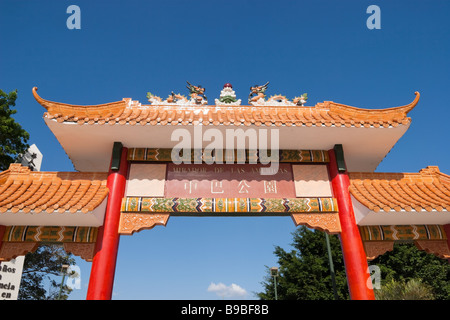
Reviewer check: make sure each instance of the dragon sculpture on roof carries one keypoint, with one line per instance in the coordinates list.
(256, 97)
(258, 94)
(197, 93)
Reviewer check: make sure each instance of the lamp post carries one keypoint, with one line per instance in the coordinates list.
(330, 260)
(64, 268)
(274, 273)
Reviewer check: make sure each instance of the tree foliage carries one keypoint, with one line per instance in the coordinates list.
(13, 138)
(413, 289)
(406, 262)
(304, 274)
(42, 269)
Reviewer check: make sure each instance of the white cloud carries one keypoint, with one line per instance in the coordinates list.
(225, 291)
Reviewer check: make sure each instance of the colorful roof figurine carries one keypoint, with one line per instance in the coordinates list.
(227, 97)
(257, 98)
(257, 93)
(197, 94)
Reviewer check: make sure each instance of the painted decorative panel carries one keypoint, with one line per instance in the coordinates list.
(402, 232)
(239, 156)
(311, 181)
(229, 206)
(146, 180)
(50, 234)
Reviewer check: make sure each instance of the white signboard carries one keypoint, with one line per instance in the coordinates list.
(10, 276)
(32, 158)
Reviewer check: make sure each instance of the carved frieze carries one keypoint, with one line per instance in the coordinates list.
(135, 222)
(327, 222)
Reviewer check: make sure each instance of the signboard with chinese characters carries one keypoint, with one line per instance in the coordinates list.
(156, 191)
(228, 181)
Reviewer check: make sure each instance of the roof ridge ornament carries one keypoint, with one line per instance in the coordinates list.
(388, 113)
(257, 98)
(227, 97)
(64, 108)
(430, 170)
(407, 108)
(434, 171)
(18, 168)
(174, 99)
(257, 93)
(196, 94)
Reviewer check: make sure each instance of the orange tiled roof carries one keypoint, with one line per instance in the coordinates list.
(131, 112)
(427, 190)
(25, 190)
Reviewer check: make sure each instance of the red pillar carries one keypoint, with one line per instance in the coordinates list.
(352, 247)
(104, 263)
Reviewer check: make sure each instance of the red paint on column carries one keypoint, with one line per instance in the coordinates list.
(103, 267)
(352, 247)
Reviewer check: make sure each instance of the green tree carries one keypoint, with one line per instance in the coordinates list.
(405, 262)
(304, 273)
(13, 138)
(42, 269)
(414, 289)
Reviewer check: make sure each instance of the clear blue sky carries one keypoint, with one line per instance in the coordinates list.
(126, 48)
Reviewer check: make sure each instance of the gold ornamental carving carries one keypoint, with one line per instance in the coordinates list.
(327, 222)
(135, 222)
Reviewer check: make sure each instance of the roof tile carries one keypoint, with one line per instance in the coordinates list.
(25, 190)
(131, 112)
(427, 190)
